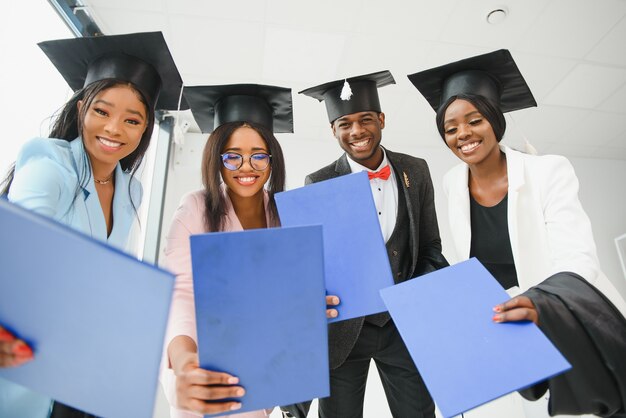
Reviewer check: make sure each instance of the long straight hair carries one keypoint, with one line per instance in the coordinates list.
(69, 123)
(214, 201)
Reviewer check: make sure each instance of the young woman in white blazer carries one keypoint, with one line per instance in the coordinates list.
(518, 214)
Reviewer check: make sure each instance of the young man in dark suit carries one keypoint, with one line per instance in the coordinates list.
(404, 199)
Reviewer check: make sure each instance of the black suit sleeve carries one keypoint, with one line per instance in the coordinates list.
(297, 410)
(430, 257)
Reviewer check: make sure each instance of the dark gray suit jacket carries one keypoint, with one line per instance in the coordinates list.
(425, 244)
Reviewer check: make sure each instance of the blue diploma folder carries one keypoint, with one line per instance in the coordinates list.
(94, 316)
(357, 265)
(261, 312)
(465, 359)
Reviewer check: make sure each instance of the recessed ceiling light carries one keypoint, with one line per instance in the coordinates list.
(497, 16)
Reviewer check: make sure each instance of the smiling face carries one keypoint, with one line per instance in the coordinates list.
(359, 135)
(245, 181)
(468, 133)
(113, 125)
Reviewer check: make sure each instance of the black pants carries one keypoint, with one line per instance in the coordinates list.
(404, 388)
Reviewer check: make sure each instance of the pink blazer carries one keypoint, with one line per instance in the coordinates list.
(189, 220)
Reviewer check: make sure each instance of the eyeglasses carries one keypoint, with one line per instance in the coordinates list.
(258, 161)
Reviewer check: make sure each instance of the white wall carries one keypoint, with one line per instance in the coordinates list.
(603, 195)
(32, 89)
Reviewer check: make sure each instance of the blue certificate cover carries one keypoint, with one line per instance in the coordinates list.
(94, 316)
(261, 312)
(356, 261)
(466, 360)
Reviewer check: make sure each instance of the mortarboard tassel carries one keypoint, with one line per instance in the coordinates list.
(346, 91)
(529, 148)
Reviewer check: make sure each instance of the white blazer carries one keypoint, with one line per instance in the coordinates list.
(548, 228)
(549, 232)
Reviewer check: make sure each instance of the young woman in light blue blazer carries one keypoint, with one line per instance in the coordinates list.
(83, 174)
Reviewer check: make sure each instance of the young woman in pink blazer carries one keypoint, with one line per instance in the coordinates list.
(242, 168)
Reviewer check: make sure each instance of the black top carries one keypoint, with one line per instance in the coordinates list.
(491, 244)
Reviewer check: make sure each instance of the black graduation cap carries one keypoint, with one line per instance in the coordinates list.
(142, 59)
(351, 95)
(494, 76)
(269, 106)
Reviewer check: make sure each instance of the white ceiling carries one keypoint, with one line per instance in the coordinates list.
(571, 53)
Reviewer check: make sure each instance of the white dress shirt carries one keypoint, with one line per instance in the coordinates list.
(385, 193)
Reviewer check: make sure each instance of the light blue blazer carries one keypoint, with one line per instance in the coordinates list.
(53, 178)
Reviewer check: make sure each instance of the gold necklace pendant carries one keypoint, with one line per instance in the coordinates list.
(105, 181)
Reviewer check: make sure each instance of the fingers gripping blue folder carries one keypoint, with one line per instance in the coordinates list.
(356, 261)
(261, 312)
(465, 359)
(94, 316)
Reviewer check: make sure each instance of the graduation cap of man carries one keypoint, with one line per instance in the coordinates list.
(494, 76)
(142, 59)
(269, 106)
(351, 95)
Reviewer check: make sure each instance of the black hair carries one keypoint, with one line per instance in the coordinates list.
(214, 202)
(492, 113)
(68, 125)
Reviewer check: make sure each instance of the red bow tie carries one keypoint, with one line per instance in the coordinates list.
(382, 174)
